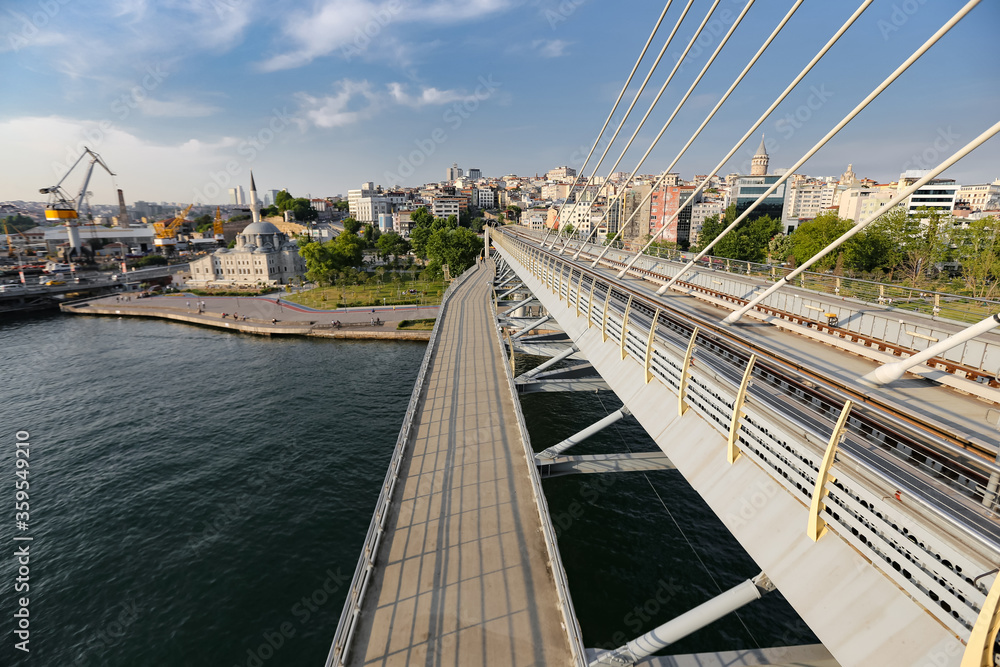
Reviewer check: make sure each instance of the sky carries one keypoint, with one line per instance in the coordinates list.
(182, 98)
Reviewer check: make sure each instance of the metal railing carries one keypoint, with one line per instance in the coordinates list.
(342, 638)
(956, 307)
(934, 548)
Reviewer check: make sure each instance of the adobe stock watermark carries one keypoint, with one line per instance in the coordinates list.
(96, 647)
(273, 639)
(363, 35)
(932, 155)
(648, 613)
(454, 116)
(792, 122)
(898, 17)
(122, 107)
(562, 12)
(710, 34)
(249, 148)
(32, 25)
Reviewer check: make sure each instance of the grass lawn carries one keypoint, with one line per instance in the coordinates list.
(373, 294)
(416, 325)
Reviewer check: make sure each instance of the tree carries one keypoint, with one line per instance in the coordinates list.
(812, 236)
(325, 261)
(779, 248)
(392, 244)
(269, 211)
(419, 237)
(456, 247)
(302, 209)
(283, 201)
(202, 223)
(977, 247)
(422, 217)
(513, 212)
(747, 242)
(477, 225)
(351, 226)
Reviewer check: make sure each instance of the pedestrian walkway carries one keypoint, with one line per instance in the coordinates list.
(462, 576)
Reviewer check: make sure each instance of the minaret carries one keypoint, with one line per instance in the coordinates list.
(758, 165)
(254, 204)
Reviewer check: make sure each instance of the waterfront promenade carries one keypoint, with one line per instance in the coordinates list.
(267, 315)
(462, 576)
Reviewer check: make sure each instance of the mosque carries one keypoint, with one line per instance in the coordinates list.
(263, 255)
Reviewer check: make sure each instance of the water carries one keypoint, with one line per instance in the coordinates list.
(200, 498)
(190, 487)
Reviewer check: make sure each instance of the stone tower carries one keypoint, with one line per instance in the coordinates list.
(758, 165)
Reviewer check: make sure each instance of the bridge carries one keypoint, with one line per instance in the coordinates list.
(872, 508)
(846, 438)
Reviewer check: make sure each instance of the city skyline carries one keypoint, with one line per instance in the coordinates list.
(313, 102)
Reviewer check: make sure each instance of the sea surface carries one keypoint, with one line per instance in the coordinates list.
(200, 497)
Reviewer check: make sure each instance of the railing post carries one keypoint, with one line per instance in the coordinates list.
(628, 311)
(732, 451)
(682, 390)
(649, 346)
(817, 526)
(579, 290)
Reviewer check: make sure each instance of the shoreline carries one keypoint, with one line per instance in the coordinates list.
(250, 326)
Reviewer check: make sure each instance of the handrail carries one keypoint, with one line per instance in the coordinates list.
(340, 647)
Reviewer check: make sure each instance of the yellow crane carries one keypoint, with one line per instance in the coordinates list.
(217, 225)
(166, 232)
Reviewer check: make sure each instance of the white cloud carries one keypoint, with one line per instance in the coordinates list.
(354, 101)
(350, 26)
(550, 48)
(427, 96)
(176, 108)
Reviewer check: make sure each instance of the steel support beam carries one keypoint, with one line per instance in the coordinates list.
(533, 325)
(673, 631)
(579, 437)
(548, 363)
(511, 290)
(520, 304)
(601, 463)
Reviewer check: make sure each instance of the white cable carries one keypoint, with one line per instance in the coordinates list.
(968, 148)
(677, 109)
(620, 96)
(822, 142)
(711, 114)
(812, 63)
(677, 65)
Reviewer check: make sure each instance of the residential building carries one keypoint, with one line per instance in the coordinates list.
(486, 198)
(664, 214)
(560, 173)
(444, 205)
(980, 197)
(534, 218)
(700, 212)
(860, 203)
(938, 194)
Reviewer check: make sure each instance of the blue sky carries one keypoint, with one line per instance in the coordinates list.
(183, 97)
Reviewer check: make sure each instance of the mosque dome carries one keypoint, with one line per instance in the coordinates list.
(260, 228)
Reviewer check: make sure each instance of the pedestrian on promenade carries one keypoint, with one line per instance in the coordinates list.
(187, 304)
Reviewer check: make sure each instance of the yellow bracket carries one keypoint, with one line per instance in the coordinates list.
(565, 281)
(979, 648)
(624, 337)
(682, 393)
(649, 346)
(590, 302)
(732, 452)
(604, 317)
(817, 527)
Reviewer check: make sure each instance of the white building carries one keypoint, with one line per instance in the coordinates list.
(938, 194)
(534, 218)
(701, 211)
(859, 204)
(486, 198)
(237, 196)
(560, 173)
(263, 255)
(443, 206)
(367, 203)
(806, 199)
(454, 173)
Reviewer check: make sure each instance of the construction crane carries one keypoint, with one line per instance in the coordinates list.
(217, 225)
(166, 231)
(62, 209)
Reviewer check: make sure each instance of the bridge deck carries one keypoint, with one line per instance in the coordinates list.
(463, 576)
